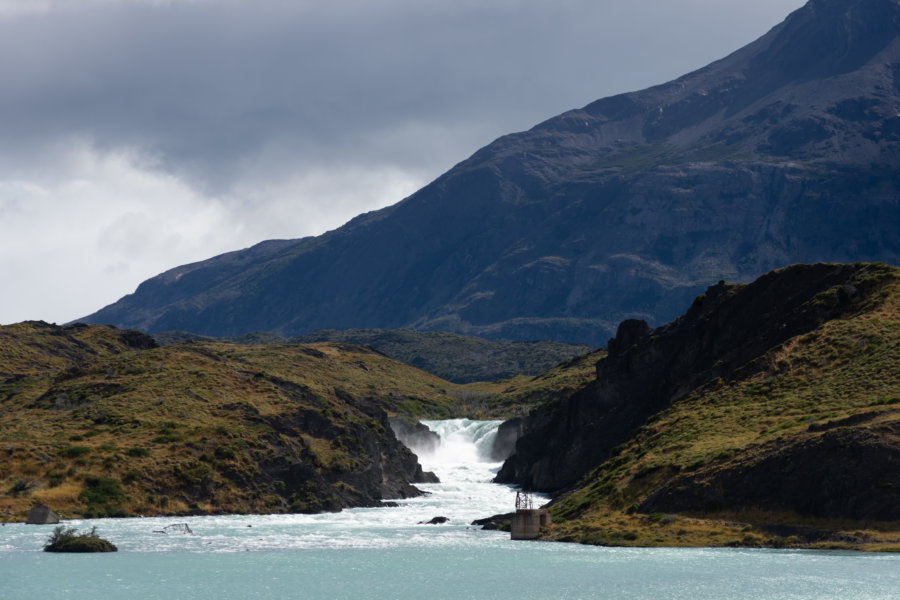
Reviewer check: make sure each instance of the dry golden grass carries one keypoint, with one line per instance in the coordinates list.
(519, 395)
(78, 405)
(85, 405)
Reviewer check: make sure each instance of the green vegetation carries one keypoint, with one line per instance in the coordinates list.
(456, 358)
(99, 422)
(68, 540)
(519, 395)
(94, 426)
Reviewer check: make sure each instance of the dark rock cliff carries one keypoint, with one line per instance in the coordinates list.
(415, 435)
(508, 434)
(382, 468)
(786, 151)
(646, 370)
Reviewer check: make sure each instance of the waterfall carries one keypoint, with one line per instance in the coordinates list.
(462, 462)
(462, 441)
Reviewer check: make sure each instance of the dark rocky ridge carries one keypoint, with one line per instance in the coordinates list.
(385, 468)
(785, 151)
(646, 370)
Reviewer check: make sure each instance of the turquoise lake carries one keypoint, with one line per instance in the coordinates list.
(386, 553)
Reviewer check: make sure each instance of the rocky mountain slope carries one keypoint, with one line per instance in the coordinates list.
(786, 151)
(454, 357)
(775, 405)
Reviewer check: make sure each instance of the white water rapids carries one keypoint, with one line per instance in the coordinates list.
(464, 494)
(386, 553)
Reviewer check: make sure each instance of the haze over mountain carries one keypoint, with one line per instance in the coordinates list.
(785, 151)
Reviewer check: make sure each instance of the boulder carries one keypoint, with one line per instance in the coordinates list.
(495, 522)
(41, 514)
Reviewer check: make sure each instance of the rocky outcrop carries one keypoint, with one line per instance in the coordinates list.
(379, 467)
(496, 522)
(415, 435)
(41, 514)
(238, 429)
(785, 151)
(67, 540)
(508, 434)
(720, 336)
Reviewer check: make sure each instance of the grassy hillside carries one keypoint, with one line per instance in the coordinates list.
(454, 357)
(803, 449)
(517, 396)
(98, 421)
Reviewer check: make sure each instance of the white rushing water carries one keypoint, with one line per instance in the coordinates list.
(464, 494)
(387, 553)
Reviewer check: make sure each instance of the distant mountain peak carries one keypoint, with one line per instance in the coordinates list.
(831, 37)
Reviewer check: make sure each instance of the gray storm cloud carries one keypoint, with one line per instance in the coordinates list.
(139, 135)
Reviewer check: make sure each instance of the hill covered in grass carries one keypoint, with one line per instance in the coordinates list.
(768, 415)
(454, 357)
(97, 421)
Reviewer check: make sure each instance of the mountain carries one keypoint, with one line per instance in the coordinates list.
(456, 358)
(767, 411)
(786, 151)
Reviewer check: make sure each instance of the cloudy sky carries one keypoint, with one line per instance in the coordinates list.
(138, 135)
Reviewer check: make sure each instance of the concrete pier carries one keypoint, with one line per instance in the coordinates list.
(527, 523)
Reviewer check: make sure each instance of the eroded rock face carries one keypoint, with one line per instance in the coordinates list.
(720, 336)
(415, 436)
(374, 465)
(508, 434)
(382, 468)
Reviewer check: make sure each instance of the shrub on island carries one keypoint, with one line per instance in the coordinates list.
(68, 540)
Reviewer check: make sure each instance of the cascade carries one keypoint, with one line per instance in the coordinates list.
(462, 441)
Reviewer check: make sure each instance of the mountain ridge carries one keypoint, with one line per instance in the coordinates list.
(785, 151)
(454, 357)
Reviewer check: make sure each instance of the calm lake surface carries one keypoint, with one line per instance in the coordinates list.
(386, 553)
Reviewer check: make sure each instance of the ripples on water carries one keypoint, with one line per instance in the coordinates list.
(385, 553)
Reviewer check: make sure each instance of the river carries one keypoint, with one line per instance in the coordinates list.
(386, 553)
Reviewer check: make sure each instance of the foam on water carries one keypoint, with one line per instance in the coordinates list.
(386, 553)
(464, 494)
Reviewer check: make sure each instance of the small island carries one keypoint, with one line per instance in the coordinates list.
(68, 540)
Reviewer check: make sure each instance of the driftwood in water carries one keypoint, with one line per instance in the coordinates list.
(183, 528)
